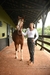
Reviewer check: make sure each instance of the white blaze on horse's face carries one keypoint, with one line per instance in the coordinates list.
(20, 23)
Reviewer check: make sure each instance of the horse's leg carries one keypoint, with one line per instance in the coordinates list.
(19, 48)
(16, 51)
(21, 53)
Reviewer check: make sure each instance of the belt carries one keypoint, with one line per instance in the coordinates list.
(30, 38)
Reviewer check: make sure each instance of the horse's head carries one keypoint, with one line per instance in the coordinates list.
(20, 23)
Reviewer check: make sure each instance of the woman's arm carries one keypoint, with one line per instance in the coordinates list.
(36, 33)
(24, 33)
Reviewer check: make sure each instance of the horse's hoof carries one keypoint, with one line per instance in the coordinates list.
(18, 51)
(20, 59)
(15, 57)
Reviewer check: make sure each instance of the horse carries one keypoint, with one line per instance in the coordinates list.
(18, 38)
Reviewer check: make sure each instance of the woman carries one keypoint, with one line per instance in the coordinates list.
(31, 32)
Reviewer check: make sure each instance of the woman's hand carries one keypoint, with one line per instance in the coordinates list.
(33, 40)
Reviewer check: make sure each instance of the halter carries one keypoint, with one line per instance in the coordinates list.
(20, 23)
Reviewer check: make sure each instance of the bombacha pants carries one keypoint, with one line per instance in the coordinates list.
(31, 46)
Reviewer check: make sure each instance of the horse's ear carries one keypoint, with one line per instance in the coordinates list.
(19, 17)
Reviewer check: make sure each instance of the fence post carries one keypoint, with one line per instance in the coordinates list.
(43, 17)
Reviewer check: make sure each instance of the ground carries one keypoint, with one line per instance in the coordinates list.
(11, 66)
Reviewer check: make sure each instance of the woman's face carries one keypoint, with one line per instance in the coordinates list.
(31, 25)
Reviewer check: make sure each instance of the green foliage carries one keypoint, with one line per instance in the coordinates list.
(24, 30)
(39, 31)
(46, 30)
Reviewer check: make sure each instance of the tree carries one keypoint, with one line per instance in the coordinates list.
(46, 30)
